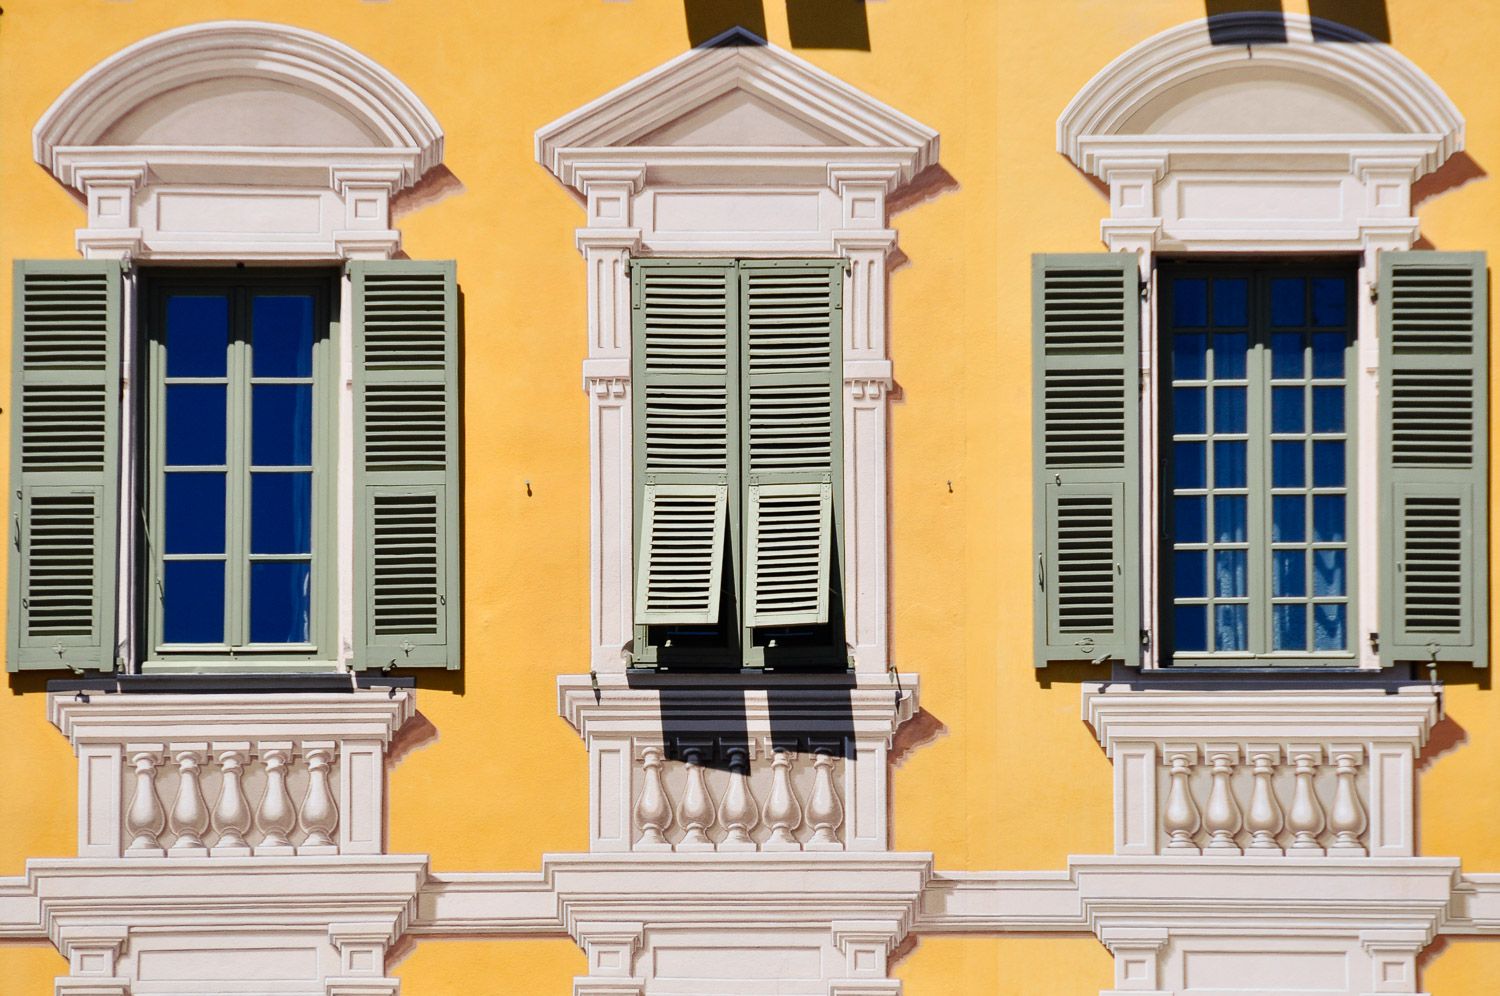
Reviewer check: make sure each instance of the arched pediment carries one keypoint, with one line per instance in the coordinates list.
(241, 84)
(1324, 81)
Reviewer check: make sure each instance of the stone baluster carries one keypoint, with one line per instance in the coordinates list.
(782, 813)
(696, 813)
(1347, 819)
(276, 816)
(1221, 817)
(737, 810)
(1180, 817)
(231, 815)
(189, 816)
(1264, 819)
(825, 813)
(653, 810)
(145, 819)
(320, 811)
(1305, 818)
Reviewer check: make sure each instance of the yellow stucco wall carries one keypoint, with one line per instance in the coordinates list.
(1014, 780)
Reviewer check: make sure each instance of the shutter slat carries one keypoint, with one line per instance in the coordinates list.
(1085, 345)
(65, 465)
(407, 569)
(1434, 457)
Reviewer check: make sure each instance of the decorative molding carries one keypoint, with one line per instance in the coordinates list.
(180, 145)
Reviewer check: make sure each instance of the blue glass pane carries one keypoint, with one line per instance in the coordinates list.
(1328, 354)
(1328, 628)
(1229, 464)
(1189, 465)
(197, 336)
(1229, 409)
(1287, 470)
(1328, 518)
(280, 601)
(282, 335)
(1188, 356)
(1288, 302)
(194, 513)
(1229, 519)
(1188, 413)
(1229, 355)
(1288, 573)
(1328, 409)
(1231, 627)
(1231, 301)
(1190, 628)
(1189, 523)
(1286, 410)
(1190, 574)
(280, 513)
(1286, 355)
(1288, 519)
(1190, 302)
(281, 425)
(1289, 627)
(193, 601)
(195, 425)
(1328, 464)
(1229, 573)
(1329, 577)
(1330, 299)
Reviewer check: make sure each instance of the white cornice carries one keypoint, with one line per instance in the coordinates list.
(866, 130)
(311, 62)
(1121, 714)
(1426, 119)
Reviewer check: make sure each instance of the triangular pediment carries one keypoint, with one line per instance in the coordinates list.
(738, 93)
(738, 119)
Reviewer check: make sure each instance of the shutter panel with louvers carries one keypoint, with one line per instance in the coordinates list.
(686, 428)
(1434, 448)
(1085, 343)
(65, 465)
(791, 373)
(406, 455)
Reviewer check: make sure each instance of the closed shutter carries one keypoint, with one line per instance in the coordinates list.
(791, 374)
(1086, 463)
(1434, 457)
(65, 465)
(406, 462)
(686, 427)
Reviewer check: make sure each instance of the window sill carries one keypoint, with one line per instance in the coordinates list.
(245, 665)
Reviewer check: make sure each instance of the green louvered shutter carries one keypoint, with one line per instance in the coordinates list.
(407, 566)
(1086, 426)
(65, 418)
(686, 428)
(791, 375)
(1434, 457)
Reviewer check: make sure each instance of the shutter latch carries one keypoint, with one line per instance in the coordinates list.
(407, 648)
(594, 681)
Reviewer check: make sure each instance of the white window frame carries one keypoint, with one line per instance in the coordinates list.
(194, 201)
(1182, 194)
(786, 200)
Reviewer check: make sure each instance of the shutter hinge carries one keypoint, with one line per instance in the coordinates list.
(1145, 290)
(1374, 643)
(1374, 292)
(1145, 639)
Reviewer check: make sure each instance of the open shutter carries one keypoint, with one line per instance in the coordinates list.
(792, 374)
(1086, 463)
(65, 465)
(1434, 457)
(686, 418)
(406, 459)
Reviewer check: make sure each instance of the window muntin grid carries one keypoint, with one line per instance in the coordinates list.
(1258, 464)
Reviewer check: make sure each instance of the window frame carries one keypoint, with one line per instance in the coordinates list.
(319, 654)
(1260, 271)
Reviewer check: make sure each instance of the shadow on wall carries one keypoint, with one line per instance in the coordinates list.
(811, 23)
(1367, 16)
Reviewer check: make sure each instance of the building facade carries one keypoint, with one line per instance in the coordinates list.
(1024, 527)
